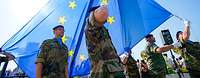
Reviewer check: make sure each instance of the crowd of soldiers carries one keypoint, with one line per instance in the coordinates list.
(103, 56)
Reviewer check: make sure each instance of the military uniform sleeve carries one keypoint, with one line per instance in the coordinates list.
(43, 52)
(143, 55)
(67, 54)
(154, 47)
(92, 31)
(92, 37)
(92, 22)
(91, 19)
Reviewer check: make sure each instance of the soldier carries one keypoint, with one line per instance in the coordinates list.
(131, 66)
(52, 60)
(154, 58)
(144, 69)
(189, 50)
(102, 53)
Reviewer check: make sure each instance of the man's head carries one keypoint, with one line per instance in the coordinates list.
(179, 35)
(58, 31)
(100, 13)
(150, 38)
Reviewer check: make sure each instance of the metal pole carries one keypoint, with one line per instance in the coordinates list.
(176, 65)
(4, 69)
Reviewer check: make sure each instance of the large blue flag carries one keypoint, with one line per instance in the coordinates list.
(128, 22)
(24, 45)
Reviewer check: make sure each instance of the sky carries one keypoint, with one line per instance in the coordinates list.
(15, 13)
(13, 16)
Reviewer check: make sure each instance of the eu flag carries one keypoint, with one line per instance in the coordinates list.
(25, 44)
(128, 22)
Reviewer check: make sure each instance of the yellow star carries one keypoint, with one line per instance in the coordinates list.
(104, 2)
(71, 52)
(72, 4)
(64, 39)
(61, 20)
(82, 57)
(111, 19)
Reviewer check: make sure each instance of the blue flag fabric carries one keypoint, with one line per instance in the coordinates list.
(139, 18)
(128, 22)
(81, 64)
(25, 44)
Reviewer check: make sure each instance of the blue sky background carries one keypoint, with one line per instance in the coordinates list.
(13, 16)
(15, 13)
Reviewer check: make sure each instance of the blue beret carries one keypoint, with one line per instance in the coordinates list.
(93, 8)
(59, 26)
(149, 35)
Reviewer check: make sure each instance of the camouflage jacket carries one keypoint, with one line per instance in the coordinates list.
(155, 61)
(102, 53)
(190, 54)
(53, 57)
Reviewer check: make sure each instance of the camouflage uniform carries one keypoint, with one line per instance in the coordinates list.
(155, 61)
(131, 68)
(53, 57)
(102, 53)
(191, 60)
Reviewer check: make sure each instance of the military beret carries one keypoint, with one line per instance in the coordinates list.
(59, 26)
(149, 35)
(93, 8)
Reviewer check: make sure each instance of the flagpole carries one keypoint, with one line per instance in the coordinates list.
(181, 19)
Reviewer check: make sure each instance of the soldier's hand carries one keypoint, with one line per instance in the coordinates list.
(101, 14)
(186, 22)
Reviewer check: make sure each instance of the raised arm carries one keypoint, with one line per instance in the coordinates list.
(186, 32)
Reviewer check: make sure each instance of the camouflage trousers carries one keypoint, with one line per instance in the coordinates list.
(108, 75)
(133, 75)
(102, 70)
(54, 76)
(154, 74)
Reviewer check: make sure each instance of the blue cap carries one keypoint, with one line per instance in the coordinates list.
(93, 8)
(148, 35)
(59, 26)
